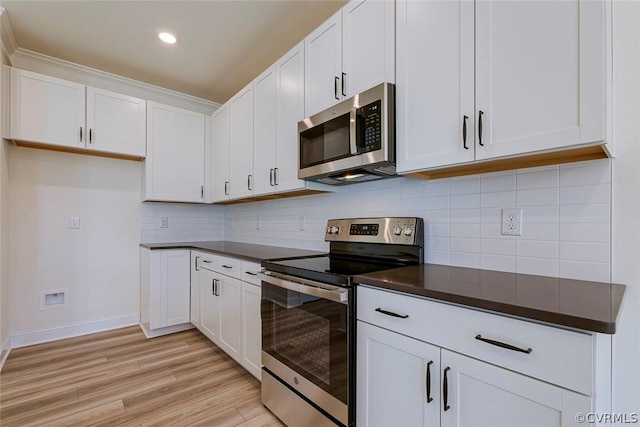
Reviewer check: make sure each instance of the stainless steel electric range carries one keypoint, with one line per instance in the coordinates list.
(309, 319)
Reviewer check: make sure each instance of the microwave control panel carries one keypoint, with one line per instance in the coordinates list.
(371, 127)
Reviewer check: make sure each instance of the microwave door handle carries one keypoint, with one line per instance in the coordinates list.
(352, 131)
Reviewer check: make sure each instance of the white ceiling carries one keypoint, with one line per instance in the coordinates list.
(222, 45)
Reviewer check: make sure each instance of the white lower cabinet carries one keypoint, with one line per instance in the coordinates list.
(406, 376)
(164, 289)
(225, 306)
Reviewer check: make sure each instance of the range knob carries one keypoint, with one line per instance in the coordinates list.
(328, 230)
(408, 231)
(334, 230)
(397, 230)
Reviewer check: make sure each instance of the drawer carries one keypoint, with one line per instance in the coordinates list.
(558, 356)
(249, 271)
(219, 264)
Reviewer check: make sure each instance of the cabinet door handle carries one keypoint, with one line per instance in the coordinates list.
(196, 266)
(213, 287)
(271, 178)
(343, 78)
(464, 132)
(445, 390)
(202, 191)
(480, 128)
(335, 87)
(226, 188)
(227, 266)
(206, 261)
(217, 287)
(391, 313)
(275, 176)
(429, 398)
(249, 182)
(90, 135)
(503, 345)
(80, 133)
(251, 274)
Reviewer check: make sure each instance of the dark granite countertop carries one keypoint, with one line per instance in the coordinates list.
(245, 251)
(590, 306)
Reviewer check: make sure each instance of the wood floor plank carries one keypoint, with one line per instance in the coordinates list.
(120, 378)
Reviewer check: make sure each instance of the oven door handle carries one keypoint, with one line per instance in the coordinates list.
(309, 287)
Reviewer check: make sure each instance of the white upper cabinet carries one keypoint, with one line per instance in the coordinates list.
(351, 52)
(241, 143)
(538, 82)
(115, 122)
(264, 132)
(49, 111)
(220, 154)
(174, 168)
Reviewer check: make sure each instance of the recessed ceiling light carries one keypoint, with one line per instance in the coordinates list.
(167, 38)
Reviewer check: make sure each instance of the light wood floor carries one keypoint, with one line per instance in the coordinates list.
(119, 378)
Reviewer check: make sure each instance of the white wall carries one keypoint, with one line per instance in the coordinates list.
(566, 218)
(187, 223)
(626, 203)
(98, 263)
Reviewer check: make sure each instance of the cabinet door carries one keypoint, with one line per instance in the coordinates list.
(539, 75)
(368, 37)
(115, 122)
(46, 110)
(397, 379)
(195, 290)
(483, 395)
(174, 167)
(290, 110)
(172, 290)
(251, 329)
(323, 65)
(264, 132)
(241, 143)
(435, 60)
(230, 295)
(220, 153)
(209, 306)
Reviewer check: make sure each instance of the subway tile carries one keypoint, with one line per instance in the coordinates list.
(539, 214)
(436, 215)
(464, 185)
(412, 192)
(412, 204)
(436, 229)
(539, 231)
(464, 215)
(492, 231)
(498, 247)
(585, 213)
(502, 199)
(537, 197)
(436, 202)
(465, 230)
(582, 251)
(461, 259)
(499, 181)
(498, 263)
(437, 244)
(584, 173)
(464, 201)
(545, 177)
(491, 215)
(437, 257)
(537, 266)
(439, 187)
(537, 249)
(464, 245)
(585, 232)
(592, 271)
(585, 194)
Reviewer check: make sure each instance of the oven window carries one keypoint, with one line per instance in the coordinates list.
(325, 142)
(309, 335)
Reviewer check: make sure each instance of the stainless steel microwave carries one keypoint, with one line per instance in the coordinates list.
(353, 141)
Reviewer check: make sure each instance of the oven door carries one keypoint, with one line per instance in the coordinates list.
(306, 333)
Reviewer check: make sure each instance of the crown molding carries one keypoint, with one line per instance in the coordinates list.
(7, 37)
(38, 62)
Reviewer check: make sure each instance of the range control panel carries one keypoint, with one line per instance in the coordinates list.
(395, 230)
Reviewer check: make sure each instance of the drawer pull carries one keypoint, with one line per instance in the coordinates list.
(251, 274)
(445, 390)
(391, 313)
(429, 398)
(227, 266)
(206, 261)
(503, 345)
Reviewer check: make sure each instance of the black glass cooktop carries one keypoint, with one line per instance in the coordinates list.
(327, 269)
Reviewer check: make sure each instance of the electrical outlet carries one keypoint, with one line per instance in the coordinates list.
(512, 222)
(74, 222)
(302, 223)
(258, 223)
(164, 222)
(232, 224)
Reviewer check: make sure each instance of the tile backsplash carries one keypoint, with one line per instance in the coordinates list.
(185, 222)
(566, 218)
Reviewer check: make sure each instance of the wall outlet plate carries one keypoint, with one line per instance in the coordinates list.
(512, 222)
(74, 222)
(164, 222)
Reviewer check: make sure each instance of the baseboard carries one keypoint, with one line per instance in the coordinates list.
(164, 331)
(24, 339)
(5, 349)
